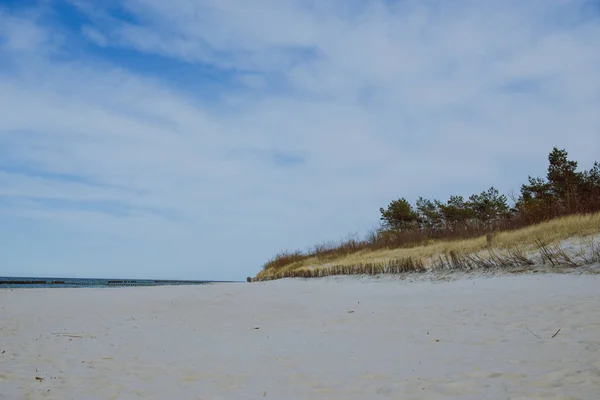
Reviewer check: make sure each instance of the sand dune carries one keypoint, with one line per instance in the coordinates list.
(335, 338)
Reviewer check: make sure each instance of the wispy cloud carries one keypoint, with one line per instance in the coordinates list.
(197, 138)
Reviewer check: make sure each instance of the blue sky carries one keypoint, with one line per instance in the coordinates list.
(196, 139)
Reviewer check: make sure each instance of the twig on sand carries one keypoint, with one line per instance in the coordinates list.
(68, 335)
(537, 336)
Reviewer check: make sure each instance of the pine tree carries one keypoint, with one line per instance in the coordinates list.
(430, 216)
(456, 212)
(489, 206)
(399, 215)
(590, 182)
(562, 175)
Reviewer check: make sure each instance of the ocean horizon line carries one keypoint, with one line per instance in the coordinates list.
(30, 281)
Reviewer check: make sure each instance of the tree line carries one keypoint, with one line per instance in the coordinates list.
(563, 191)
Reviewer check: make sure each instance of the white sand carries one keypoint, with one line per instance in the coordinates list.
(341, 338)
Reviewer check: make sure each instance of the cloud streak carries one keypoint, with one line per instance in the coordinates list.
(196, 139)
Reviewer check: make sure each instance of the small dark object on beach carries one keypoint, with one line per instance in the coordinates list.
(69, 335)
(256, 327)
(539, 337)
(534, 334)
(350, 312)
(3, 351)
(37, 378)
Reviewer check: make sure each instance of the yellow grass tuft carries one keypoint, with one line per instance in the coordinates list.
(403, 259)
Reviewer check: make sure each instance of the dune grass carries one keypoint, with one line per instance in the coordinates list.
(534, 244)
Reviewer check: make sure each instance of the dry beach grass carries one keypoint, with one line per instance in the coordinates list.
(566, 241)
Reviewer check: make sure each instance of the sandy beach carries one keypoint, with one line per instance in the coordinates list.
(333, 338)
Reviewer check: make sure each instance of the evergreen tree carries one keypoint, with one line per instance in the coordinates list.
(590, 183)
(456, 212)
(489, 206)
(536, 197)
(430, 216)
(562, 175)
(399, 215)
(537, 189)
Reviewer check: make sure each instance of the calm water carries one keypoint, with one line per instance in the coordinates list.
(15, 282)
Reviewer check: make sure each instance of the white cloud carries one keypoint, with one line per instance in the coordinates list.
(94, 35)
(20, 33)
(380, 100)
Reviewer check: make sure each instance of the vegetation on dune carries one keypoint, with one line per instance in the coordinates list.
(453, 234)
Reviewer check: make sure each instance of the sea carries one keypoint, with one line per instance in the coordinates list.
(20, 282)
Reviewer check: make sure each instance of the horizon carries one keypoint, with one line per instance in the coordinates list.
(113, 278)
(195, 140)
